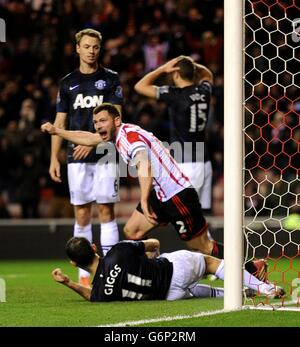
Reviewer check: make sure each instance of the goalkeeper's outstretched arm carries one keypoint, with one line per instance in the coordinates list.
(84, 138)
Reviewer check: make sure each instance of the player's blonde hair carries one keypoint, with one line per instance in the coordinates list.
(88, 32)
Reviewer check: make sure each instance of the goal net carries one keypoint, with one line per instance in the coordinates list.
(272, 141)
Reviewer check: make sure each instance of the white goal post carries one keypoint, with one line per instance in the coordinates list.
(233, 153)
(262, 145)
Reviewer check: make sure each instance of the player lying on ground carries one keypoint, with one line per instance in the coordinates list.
(167, 195)
(126, 273)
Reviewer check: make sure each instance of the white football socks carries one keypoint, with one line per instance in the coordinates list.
(86, 232)
(249, 280)
(109, 235)
(206, 291)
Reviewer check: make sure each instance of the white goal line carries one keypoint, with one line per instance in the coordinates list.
(201, 314)
(165, 319)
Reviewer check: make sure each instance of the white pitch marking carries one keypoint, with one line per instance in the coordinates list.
(13, 276)
(165, 319)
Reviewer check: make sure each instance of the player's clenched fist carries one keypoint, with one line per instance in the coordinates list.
(49, 128)
(58, 276)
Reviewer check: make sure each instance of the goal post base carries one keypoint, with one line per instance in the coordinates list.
(272, 308)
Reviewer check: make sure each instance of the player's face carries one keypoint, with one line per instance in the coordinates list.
(106, 125)
(88, 49)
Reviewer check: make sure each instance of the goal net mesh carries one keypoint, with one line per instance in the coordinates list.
(272, 140)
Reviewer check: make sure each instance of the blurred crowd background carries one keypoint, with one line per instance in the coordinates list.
(138, 36)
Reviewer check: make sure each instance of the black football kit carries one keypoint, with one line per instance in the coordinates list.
(188, 111)
(79, 94)
(126, 273)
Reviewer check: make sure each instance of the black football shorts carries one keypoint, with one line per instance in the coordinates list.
(183, 210)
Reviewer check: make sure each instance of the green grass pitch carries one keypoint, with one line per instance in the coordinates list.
(33, 299)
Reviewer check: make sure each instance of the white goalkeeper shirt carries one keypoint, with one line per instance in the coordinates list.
(168, 179)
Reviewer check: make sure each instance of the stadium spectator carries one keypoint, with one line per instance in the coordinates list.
(211, 48)
(127, 273)
(79, 92)
(167, 195)
(155, 52)
(59, 206)
(4, 213)
(28, 193)
(27, 115)
(9, 155)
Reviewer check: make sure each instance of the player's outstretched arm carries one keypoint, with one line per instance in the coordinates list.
(60, 277)
(84, 138)
(146, 85)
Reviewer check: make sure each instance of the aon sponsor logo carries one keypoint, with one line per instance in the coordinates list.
(87, 101)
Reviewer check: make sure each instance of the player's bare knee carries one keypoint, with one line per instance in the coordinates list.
(128, 233)
(106, 212)
(83, 215)
(131, 233)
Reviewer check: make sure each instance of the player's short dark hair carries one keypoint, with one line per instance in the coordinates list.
(110, 108)
(88, 32)
(187, 68)
(80, 251)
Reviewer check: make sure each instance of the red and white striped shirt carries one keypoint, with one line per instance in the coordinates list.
(168, 179)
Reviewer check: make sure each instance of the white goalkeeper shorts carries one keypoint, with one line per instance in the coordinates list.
(200, 175)
(90, 182)
(188, 268)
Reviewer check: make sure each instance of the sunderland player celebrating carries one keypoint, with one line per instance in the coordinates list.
(79, 93)
(126, 273)
(167, 195)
